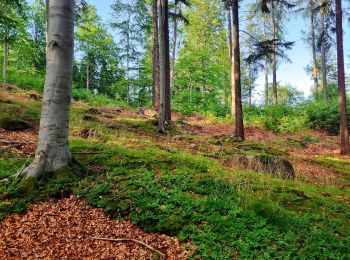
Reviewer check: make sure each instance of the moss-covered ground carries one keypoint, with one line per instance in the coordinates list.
(184, 184)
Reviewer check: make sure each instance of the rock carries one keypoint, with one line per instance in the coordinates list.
(10, 124)
(148, 113)
(89, 118)
(177, 138)
(266, 163)
(93, 111)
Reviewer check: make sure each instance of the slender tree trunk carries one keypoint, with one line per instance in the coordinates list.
(52, 151)
(239, 129)
(250, 78)
(344, 132)
(173, 54)
(155, 54)
(323, 56)
(232, 62)
(266, 82)
(313, 43)
(6, 44)
(167, 62)
(162, 69)
(229, 43)
(128, 62)
(274, 58)
(88, 74)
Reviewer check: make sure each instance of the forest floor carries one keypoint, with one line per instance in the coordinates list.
(184, 184)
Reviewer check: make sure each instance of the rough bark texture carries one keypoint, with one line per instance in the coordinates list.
(313, 43)
(53, 151)
(274, 58)
(6, 45)
(173, 53)
(167, 62)
(162, 69)
(266, 83)
(155, 54)
(323, 56)
(239, 129)
(344, 132)
(232, 61)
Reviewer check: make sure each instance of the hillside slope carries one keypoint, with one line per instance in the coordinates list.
(187, 183)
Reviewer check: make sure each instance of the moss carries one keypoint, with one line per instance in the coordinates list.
(340, 166)
(12, 124)
(28, 186)
(258, 148)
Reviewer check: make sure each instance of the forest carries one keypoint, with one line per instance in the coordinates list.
(174, 129)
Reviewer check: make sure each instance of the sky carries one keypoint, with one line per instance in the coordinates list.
(288, 73)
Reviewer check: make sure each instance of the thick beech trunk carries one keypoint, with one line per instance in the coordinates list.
(239, 129)
(344, 132)
(52, 151)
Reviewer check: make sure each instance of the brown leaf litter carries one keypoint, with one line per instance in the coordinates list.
(65, 230)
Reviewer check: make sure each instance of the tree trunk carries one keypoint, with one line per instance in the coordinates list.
(167, 62)
(229, 37)
(314, 62)
(128, 62)
(6, 44)
(344, 132)
(155, 54)
(87, 74)
(232, 72)
(239, 129)
(274, 58)
(52, 151)
(173, 54)
(162, 69)
(266, 83)
(323, 56)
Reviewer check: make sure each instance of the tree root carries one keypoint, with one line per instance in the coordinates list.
(130, 240)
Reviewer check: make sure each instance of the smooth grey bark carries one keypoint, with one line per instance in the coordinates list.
(52, 151)
(274, 58)
(344, 131)
(323, 56)
(162, 118)
(6, 44)
(313, 43)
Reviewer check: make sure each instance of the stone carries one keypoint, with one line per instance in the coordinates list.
(266, 163)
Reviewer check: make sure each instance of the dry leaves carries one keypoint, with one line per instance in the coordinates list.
(64, 230)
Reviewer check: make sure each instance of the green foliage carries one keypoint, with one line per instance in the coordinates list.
(96, 99)
(324, 115)
(26, 80)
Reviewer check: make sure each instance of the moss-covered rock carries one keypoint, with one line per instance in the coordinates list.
(266, 163)
(11, 124)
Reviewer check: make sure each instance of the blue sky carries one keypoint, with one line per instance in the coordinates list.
(288, 73)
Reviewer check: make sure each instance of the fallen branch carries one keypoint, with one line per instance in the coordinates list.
(130, 240)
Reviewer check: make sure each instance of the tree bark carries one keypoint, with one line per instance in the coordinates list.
(6, 44)
(344, 132)
(274, 58)
(87, 74)
(162, 69)
(323, 56)
(266, 83)
(239, 129)
(52, 151)
(313, 43)
(155, 54)
(173, 54)
(167, 62)
(232, 72)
